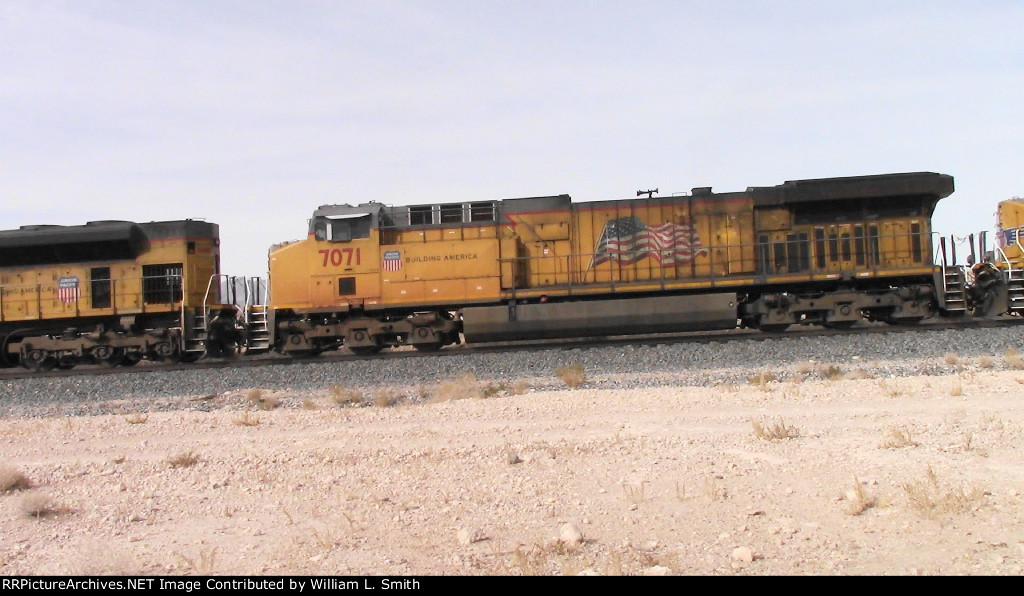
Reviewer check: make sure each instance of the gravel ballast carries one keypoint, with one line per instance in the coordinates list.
(607, 367)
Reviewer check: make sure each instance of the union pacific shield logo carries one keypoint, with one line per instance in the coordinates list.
(392, 260)
(67, 289)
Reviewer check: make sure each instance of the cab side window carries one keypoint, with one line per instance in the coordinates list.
(343, 230)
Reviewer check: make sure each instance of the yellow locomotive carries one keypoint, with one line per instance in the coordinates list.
(111, 292)
(827, 251)
(998, 279)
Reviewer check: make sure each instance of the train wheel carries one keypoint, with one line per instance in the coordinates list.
(428, 347)
(106, 356)
(66, 362)
(189, 356)
(165, 352)
(38, 360)
(776, 328)
(365, 350)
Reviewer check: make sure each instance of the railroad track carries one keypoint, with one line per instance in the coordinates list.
(732, 335)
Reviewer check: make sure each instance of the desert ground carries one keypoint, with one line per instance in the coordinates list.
(918, 475)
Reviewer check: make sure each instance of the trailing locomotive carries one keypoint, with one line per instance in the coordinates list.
(828, 251)
(999, 279)
(112, 293)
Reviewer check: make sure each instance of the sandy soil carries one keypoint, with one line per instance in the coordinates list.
(917, 475)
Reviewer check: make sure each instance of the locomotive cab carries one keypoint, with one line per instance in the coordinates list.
(370, 276)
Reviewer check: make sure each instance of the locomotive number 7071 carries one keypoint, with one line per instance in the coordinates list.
(341, 256)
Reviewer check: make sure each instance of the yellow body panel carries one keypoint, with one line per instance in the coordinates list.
(550, 247)
(717, 244)
(1010, 215)
(31, 293)
(425, 268)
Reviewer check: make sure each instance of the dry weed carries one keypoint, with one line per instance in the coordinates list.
(384, 397)
(761, 380)
(897, 437)
(832, 373)
(546, 559)
(136, 418)
(858, 498)
(956, 389)
(888, 390)
(951, 358)
(613, 566)
(714, 491)
(859, 373)
(929, 498)
(634, 491)
(268, 403)
(12, 480)
(345, 396)
(183, 459)
(202, 563)
(985, 361)
(775, 431)
(504, 389)
(309, 404)
(261, 401)
(38, 505)
(464, 387)
(99, 557)
(1013, 359)
(246, 419)
(572, 375)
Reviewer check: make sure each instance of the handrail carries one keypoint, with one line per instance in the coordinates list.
(939, 254)
(229, 284)
(206, 295)
(1009, 263)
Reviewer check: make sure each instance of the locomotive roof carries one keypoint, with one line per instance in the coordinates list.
(920, 189)
(906, 184)
(105, 231)
(95, 241)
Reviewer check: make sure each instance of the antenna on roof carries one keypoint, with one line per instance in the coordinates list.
(640, 193)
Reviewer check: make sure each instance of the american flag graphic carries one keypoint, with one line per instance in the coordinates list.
(67, 289)
(628, 239)
(392, 260)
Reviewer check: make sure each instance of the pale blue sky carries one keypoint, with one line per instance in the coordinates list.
(251, 114)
